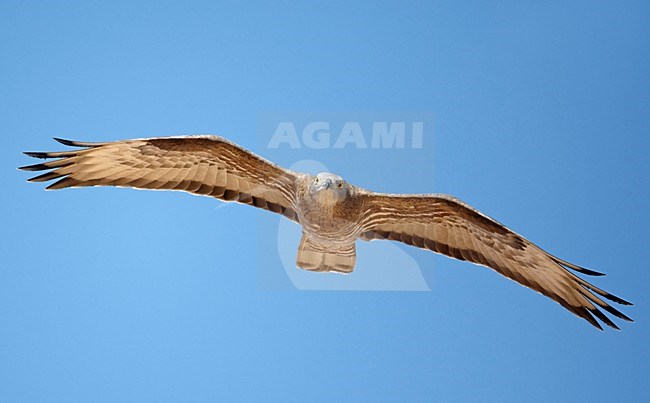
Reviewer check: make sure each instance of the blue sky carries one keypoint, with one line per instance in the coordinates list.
(541, 121)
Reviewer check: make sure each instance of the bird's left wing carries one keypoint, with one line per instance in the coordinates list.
(448, 226)
(203, 165)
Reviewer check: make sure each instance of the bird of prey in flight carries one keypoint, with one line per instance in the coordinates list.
(332, 212)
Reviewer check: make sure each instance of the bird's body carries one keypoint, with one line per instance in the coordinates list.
(333, 213)
(330, 211)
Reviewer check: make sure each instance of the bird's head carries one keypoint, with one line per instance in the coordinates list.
(329, 186)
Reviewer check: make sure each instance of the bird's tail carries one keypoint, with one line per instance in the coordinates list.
(325, 258)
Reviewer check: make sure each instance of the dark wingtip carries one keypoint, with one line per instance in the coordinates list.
(575, 267)
(603, 318)
(611, 309)
(581, 269)
(35, 154)
(618, 300)
(590, 272)
(52, 154)
(62, 183)
(35, 167)
(48, 176)
(70, 143)
(73, 143)
(596, 325)
(584, 313)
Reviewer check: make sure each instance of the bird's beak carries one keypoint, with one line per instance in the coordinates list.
(326, 184)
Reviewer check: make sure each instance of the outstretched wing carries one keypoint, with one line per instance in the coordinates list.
(203, 165)
(448, 226)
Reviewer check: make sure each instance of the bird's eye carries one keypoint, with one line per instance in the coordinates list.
(316, 180)
(340, 185)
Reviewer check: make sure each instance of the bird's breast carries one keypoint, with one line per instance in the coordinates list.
(329, 224)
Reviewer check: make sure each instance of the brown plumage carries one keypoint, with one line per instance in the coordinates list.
(332, 212)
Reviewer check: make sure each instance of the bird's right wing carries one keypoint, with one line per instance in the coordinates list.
(448, 226)
(203, 165)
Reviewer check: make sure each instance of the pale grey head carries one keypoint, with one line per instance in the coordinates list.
(329, 186)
